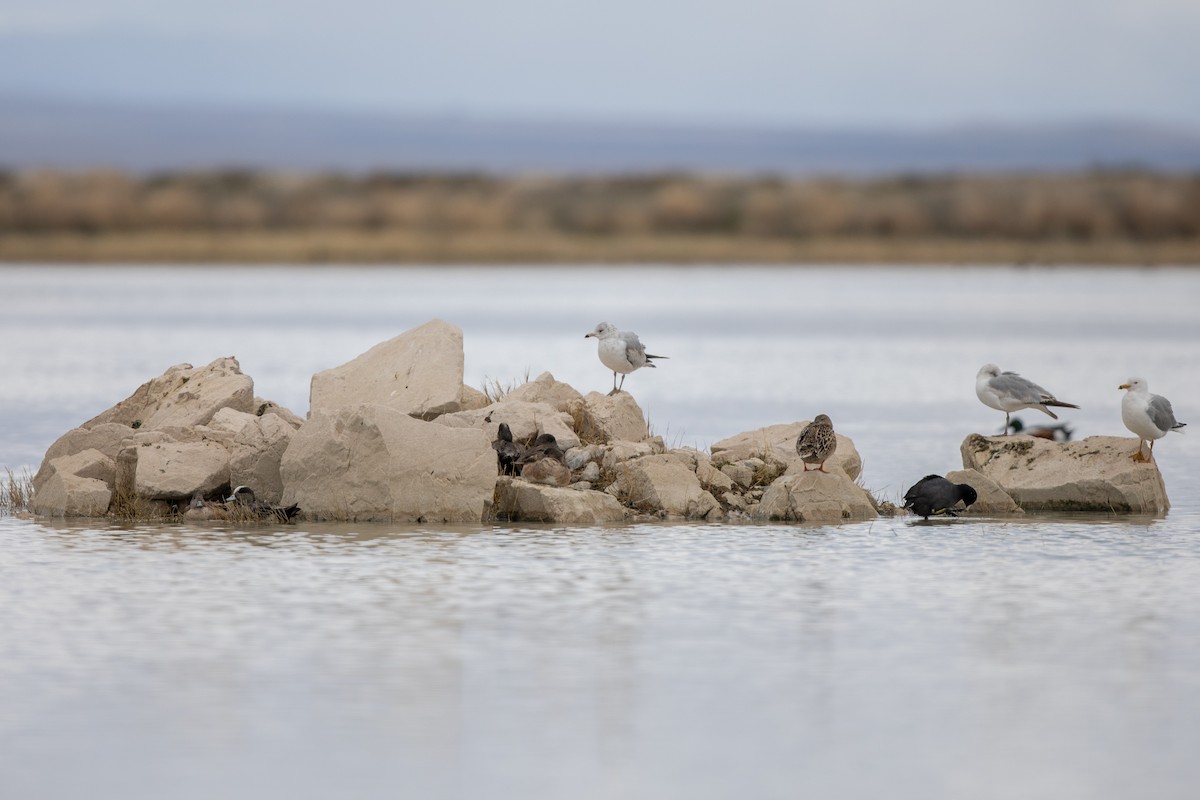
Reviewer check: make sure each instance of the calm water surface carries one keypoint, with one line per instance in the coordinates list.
(1040, 658)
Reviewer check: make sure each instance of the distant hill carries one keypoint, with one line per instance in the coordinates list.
(40, 133)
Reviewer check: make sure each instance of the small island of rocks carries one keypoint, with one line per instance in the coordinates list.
(395, 435)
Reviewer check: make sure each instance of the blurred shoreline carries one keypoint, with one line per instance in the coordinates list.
(366, 248)
(1102, 217)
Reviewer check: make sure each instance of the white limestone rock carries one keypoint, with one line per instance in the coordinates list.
(525, 420)
(256, 453)
(660, 483)
(545, 389)
(106, 437)
(372, 462)
(991, 499)
(419, 372)
(66, 495)
(618, 452)
(815, 497)
(778, 443)
(183, 397)
(1092, 474)
(521, 501)
(172, 470)
(604, 418)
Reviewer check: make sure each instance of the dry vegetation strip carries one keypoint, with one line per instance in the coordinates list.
(1102, 217)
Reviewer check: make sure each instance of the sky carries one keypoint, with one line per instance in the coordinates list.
(919, 63)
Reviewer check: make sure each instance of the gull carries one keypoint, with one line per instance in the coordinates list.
(1150, 416)
(620, 351)
(933, 494)
(816, 443)
(1009, 392)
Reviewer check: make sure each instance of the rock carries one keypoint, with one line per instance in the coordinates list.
(618, 452)
(660, 483)
(230, 421)
(264, 408)
(521, 501)
(371, 462)
(107, 437)
(419, 372)
(603, 418)
(89, 463)
(740, 474)
(778, 443)
(577, 457)
(1093, 474)
(256, 453)
(526, 421)
(548, 471)
(590, 472)
(545, 389)
(815, 497)
(76, 485)
(471, 399)
(183, 397)
(172, 471)
(992, 500)
(66, 495)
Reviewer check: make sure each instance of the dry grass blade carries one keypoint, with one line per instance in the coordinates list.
(16, 493)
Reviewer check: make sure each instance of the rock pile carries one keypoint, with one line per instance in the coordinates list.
(395, 435)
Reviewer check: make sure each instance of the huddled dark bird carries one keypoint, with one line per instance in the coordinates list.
(243, 501)
(816, 443)
(508, 452)
(934, 495)
(544, 446)
(1055, 433)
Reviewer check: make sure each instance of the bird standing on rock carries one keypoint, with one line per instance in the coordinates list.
(933, 494)
(1150, 416)
(620, 351)
(1009, 392)
(816, 443)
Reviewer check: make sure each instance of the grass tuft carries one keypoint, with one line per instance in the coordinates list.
(16, 492)
(495, 391)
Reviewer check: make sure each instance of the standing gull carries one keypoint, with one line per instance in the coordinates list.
(816, 443)
(933, 494)
(1150, 416)
(1009, 392)
(620, 351)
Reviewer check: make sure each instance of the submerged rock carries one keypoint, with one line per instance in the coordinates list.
(1093, 474)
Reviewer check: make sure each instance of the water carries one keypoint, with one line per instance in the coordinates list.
(1049, 657)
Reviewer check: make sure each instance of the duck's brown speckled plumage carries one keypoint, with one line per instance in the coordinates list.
(817, 442)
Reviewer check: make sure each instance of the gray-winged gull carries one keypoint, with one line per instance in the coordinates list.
(620, 351)
(1009, 392)
(1150, 416)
